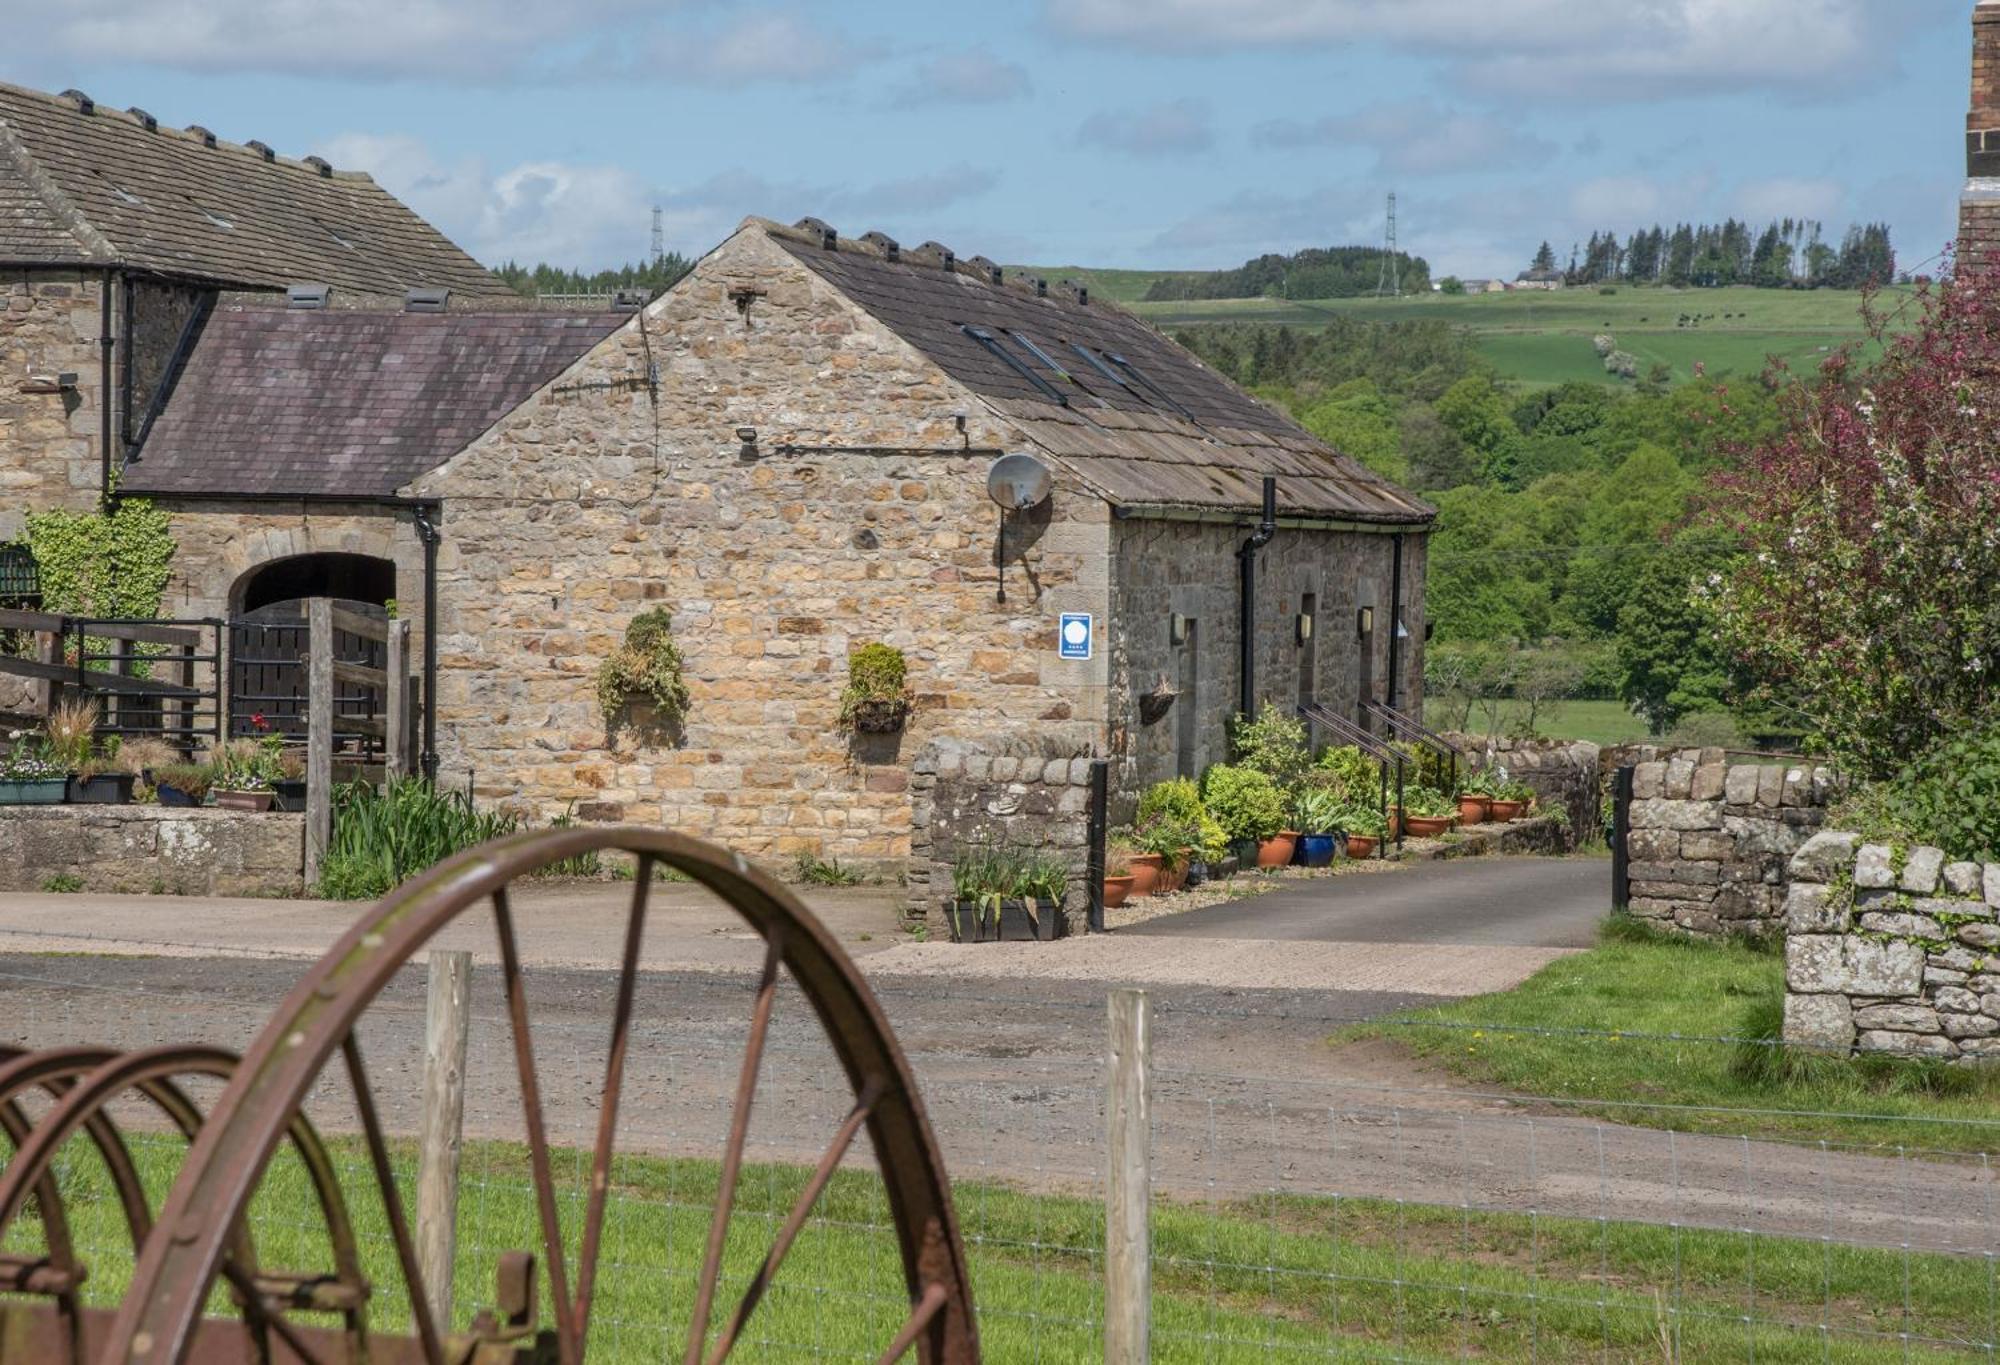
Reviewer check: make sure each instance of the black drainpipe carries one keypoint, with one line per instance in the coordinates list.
(1246, 616)
(1395, 614)
(105, 344)
(427, 529)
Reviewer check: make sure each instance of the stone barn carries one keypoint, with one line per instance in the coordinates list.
(790, 450)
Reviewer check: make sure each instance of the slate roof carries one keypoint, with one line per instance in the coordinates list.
(1166, 432)
(100, 188)
(330, 403)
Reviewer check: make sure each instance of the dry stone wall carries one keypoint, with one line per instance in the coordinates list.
(1022, 793)
(1892, 950)
(1565, 774)
(1710, 840)
(152, 849)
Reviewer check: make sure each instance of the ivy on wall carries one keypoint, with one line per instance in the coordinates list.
(112, 564)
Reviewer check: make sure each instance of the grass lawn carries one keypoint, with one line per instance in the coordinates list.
(1612, 1011)
(1600, 722)
(1252, 1280)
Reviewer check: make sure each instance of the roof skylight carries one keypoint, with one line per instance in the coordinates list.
(991, 343)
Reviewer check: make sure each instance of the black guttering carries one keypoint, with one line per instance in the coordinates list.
(1246, 622)
(1395, 615)
(427, 529)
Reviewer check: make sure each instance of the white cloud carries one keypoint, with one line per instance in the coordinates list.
(1414, 137)
(1175, 128)
(1609, 49)
(755, 48)
(974, 76)
(1763, 201)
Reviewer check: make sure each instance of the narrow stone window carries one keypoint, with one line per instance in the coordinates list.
(1306, 634)
(1187, 731)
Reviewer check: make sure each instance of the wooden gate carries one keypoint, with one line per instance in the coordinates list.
(269, 692)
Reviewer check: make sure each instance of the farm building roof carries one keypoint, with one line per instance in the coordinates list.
(84, 185)
(1133, 415)
(326, 403)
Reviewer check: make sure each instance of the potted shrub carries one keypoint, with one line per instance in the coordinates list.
(1032, 909)
(876, 700)
(289, 786)
(1250, 808)
(1475, 799)
(1316, 811)
(1118, 878)
(1511, 800)
(103, 779)
(1174, 823)
(1365, 830)
(69, 740)
(183, 784)
(1427, 812)
(975, 896)
(1143, 865)
(28, 776)
(1164, 843)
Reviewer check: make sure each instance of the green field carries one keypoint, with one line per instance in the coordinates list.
(1538, 339)
(1251, 1280)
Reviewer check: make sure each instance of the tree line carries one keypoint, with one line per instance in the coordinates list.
(1341, 272)
(654, 276)
(1791, 253)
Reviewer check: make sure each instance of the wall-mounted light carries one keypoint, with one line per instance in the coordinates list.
(1305, 627)
(1177, 629)
(1364, 622)
(748, 437)
(1402, 631)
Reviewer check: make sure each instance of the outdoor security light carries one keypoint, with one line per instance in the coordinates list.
(1305, 627)
(747, 435)
(1177, 625)
(1364, 623)
(1402, 631)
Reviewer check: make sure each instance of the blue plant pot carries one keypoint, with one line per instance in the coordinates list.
(1316, 850)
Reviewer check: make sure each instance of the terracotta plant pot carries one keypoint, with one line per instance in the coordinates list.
(1395, 818)
(1472, 809)
(1360, 846)
(1174, 875)
(243, 801)
(1503, 811)
(1116, 889)
(1278, 849)
(1426, 827)
(1146, 870)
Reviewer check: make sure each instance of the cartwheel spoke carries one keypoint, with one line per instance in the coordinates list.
(569, 1347)
(732, 1157)
(392, 1200)
(614, 1089)
(802, 1209)
(920, 1317)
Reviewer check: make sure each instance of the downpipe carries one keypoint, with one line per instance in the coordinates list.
(427, 530)
(1246, 617)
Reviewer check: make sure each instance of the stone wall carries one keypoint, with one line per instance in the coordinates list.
(49, 323)
(152, 849)
(593, 503)
(1892, 950)
(1565, 774)
(1023, 793)
(219, 544)
(159, 312)
(1163, 569)
(1710, 839)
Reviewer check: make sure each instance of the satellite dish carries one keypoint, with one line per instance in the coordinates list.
(1018, 482)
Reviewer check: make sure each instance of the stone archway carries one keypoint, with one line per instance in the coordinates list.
(268, 639)
(357, 578)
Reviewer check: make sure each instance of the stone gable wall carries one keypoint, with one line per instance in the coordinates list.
(49, 324)
(1710, 840)
(592, 504)
(1892, 950)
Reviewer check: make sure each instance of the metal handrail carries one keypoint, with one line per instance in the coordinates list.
(1410, 728)
(1384, 754)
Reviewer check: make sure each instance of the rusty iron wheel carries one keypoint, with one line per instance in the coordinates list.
(161, 1316)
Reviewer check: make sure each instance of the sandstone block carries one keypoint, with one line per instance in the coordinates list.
(1710, 779)
(1770, 786)
(1992, 881)
(1903, 1018)
(1758, 835)
(1956, 1000)
(1677, 783)
(1680, 815)
(1921, 870)
(1744, 902)
(1653, 845)
(1907, 1044)
(1707, 846)
(1820, 964)
(1797, 788)
(1819, 1021)
(1969, 1026)
(1680, 871)
(1697, 921)
(1739, 788)
(1980, 935)
(1811, 909)
(1937, 977)
(1823, 856)
(1647, 781)
(1874, 867)
(1079, 772)
(1903, 925)
(1962, 879)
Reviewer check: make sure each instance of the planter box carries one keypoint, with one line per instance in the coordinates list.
(246, 801)
(174, 796)
(39, 791)
(105, 789)
(969, 921)
(1030, 921)
(290, 795)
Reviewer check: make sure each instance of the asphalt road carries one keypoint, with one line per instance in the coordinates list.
(1511, 902)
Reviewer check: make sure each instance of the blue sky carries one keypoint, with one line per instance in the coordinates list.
(1169, 133)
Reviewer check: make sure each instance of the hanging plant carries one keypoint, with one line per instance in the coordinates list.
(876, 699)
(646, 667)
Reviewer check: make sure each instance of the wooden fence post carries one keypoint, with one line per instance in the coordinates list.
(1128, 1267)
(49, 650)
(319, 734)
(447, 1017)
(396, 703)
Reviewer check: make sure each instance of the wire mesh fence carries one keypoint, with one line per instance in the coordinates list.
(1307, 1202)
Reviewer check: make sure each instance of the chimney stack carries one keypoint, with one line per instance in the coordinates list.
(1979, 206)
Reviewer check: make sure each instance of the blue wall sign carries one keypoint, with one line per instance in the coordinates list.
(1076, 636)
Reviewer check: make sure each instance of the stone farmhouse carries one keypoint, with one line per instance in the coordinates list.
(790, 450)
